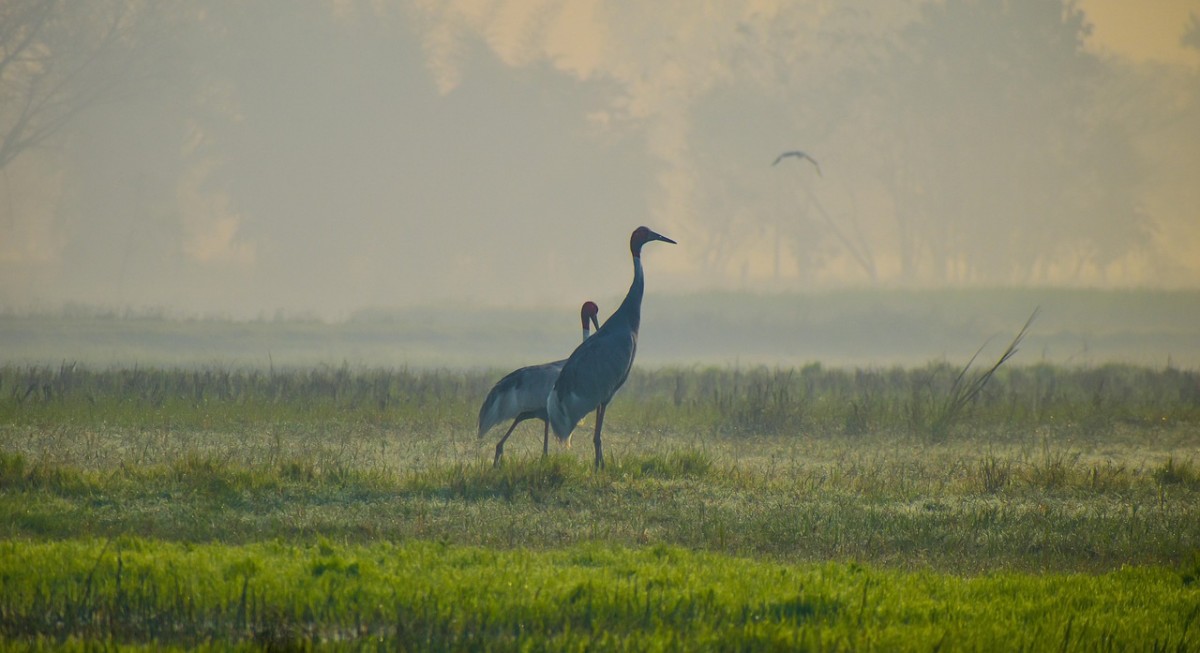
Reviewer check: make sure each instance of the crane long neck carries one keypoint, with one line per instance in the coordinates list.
(630, 310)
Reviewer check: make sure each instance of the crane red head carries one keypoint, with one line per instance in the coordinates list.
(588, 314)
(643, 235)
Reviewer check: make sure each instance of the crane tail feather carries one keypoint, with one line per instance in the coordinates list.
(561, 422)
(501, 404)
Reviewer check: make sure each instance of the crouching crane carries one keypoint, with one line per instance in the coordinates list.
(598, 367)
(522, 393)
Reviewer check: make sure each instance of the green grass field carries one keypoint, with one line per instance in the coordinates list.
(430, 595)
(760, 508)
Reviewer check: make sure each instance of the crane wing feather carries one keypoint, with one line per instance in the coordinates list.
(522, 391)
(590, 377)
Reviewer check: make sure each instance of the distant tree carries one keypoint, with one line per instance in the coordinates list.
(1191, 34)
(59, 59)
(794, 82)
(1007, 166)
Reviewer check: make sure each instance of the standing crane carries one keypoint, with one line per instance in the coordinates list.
(522, 393)
(598, 367)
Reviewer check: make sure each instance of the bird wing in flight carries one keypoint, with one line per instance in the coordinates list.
(800, 155)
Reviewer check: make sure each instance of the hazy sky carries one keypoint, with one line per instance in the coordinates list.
(324, 156)
(1145, 30)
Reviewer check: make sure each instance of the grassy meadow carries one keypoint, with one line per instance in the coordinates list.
(284, 484)
(743, 508)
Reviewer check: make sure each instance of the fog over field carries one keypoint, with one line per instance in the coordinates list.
(918, 367)
(864, 329)
(331, 159)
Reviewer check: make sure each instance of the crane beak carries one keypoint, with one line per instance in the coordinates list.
(658, 236)
(595, 322)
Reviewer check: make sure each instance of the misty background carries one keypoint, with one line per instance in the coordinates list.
(322, 159)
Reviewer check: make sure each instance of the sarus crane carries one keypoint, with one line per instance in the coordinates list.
(522, 393)
(598, 367)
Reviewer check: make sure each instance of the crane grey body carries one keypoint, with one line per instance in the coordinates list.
(800, 155)
(599, 366)
(522, 393)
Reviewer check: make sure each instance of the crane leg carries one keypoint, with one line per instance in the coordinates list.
(546, 439)
(500, 445)
(596, 438)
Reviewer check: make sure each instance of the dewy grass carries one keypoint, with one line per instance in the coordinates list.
(723, 401)
(1070, 487)
(908, 506)
(131, 591)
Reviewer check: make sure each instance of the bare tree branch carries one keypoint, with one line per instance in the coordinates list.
(58, 60)
(20, 24)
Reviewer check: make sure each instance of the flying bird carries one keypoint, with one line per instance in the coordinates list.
(800, 155)
(599, 366)
(522, 393)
